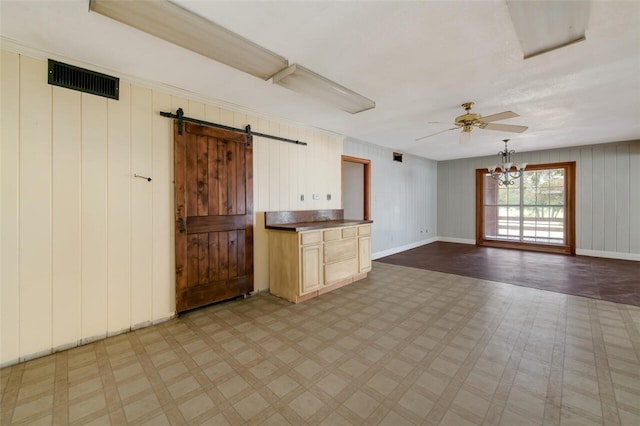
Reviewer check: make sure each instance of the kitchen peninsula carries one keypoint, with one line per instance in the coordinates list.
(312, 252)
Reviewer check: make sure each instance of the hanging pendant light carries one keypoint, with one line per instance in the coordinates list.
(507, 171)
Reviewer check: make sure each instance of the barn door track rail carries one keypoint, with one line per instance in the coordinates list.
(179, 115)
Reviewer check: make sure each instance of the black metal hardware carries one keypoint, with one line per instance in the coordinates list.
(181, 118)
(142, 177)
(181, 225)
(83, 80)
(249, 135)
(180, 114)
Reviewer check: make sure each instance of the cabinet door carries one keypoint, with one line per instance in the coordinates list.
(364, 254)
(310, 268)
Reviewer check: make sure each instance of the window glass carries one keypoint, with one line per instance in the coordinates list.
(531, 209)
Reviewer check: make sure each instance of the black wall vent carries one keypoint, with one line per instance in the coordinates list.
(76, 78)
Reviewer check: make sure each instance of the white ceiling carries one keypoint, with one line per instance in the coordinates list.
(419, 60)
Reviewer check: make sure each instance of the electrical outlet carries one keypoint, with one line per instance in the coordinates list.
(328, 196)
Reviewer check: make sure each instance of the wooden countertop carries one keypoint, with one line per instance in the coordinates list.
(310, 226)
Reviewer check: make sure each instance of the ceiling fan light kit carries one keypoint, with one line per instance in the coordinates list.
(504, 173)
(465, 134)
(466, 120)
(469, 120)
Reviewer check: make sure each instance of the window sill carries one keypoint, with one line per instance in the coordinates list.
(519, 245)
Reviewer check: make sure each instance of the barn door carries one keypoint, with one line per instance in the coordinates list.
(214, 215)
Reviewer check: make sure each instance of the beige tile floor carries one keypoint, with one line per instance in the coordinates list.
(404, 346)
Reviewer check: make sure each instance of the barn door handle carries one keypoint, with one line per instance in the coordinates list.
(181, 225)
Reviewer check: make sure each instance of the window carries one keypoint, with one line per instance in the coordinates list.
(536, 212)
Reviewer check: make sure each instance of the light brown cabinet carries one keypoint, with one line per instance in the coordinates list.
(310, 268)
(364, 248)
(306, 264)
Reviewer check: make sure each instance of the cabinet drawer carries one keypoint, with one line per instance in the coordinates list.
(310, 237)
(348, 232)
(335, 251)
(364, 230)
(331, 234)
(340, 270)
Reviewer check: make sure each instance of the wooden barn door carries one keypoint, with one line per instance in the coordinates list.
(214, 215)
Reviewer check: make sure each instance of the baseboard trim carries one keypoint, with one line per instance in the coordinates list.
(579, 252)
(609, 254)
(85, 341)
(406, 247)
(456, 240)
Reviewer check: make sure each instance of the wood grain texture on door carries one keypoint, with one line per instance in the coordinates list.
(214, 215)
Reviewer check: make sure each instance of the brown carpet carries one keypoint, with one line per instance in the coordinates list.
(599, 278)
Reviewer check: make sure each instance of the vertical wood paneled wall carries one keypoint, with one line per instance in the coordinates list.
(403, 198)
(607, 203)
(87, 250)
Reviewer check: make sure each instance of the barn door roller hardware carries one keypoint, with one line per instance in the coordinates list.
(179, 115)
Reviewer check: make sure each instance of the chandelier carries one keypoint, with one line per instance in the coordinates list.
(506, 172)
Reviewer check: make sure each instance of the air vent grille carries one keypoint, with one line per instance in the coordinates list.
(84, 80)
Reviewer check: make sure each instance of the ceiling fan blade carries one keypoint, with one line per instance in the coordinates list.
(437, 133)
(505, 127)
(499, 116)
(465, 137)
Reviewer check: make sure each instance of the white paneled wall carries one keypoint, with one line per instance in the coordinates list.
(34, 224)
(607, 199)
(87, 250)
(9, 195)
(119, 202)
(66, 272)
(403, 198)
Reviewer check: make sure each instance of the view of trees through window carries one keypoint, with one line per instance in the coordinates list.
(530, 210)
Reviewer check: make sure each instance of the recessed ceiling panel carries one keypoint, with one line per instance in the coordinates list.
(543, 26)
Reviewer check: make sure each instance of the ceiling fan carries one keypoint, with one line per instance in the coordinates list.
(469, 120)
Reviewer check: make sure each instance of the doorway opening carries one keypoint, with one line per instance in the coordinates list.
(356, 188)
